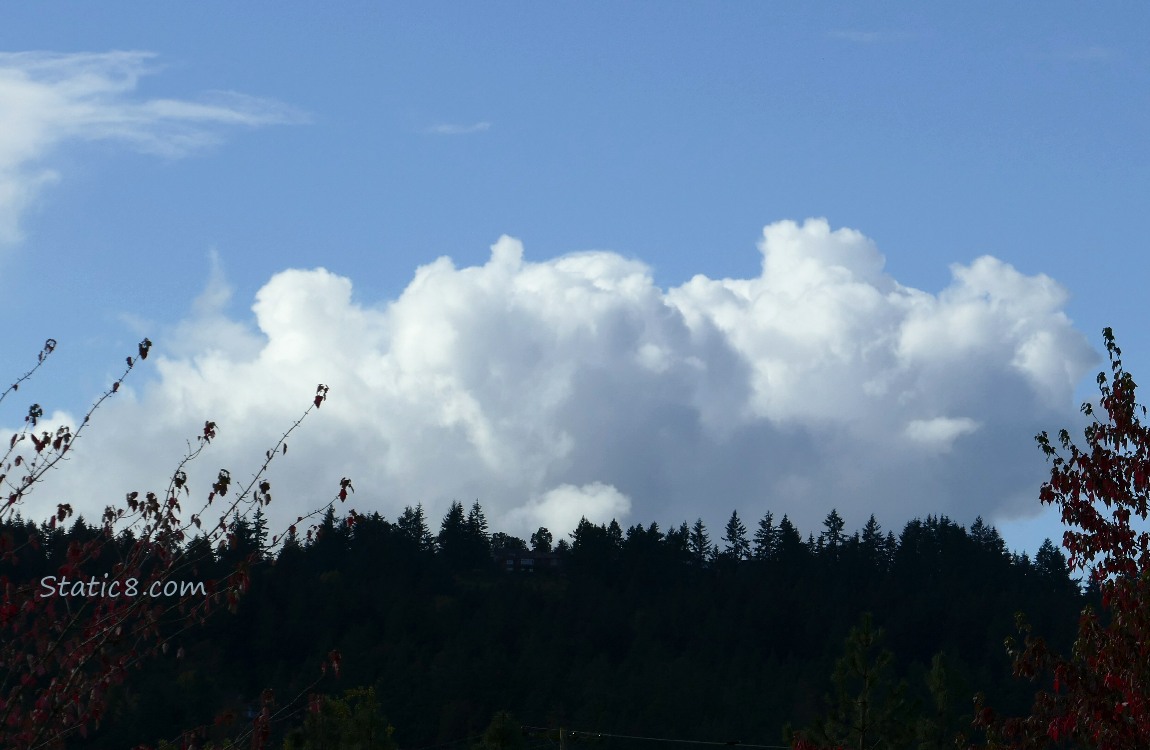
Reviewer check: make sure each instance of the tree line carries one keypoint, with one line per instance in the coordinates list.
(636, 630)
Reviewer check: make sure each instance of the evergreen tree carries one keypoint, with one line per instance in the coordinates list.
(478, 538)
(866, 710)
(939, 729)
(889, 548)
(832, 538)
(413, 523)
(328, 544)
(678, 541)
(987, 537)
(463, 540)
(766, 538)
(738, 548)
(454, 523)
(260, 532)
(477, 523)
(791, 547)
(594, 548)
(654, 533)
(369, 535)
(586, 536)
(643, 549)
(873, 543)
(290, 542)
(241, 541)
(615, 535)
(202, 559)
(353, 722)
(699, 543)
(1050, 564)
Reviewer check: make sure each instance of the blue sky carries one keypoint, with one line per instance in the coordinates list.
(165, 168)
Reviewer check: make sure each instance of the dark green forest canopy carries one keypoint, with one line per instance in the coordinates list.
(640, 631)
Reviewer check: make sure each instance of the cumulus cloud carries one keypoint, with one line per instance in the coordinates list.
(574, 386)
(564, 506)
(49, 99)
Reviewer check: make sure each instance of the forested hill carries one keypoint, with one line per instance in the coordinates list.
(643, 631)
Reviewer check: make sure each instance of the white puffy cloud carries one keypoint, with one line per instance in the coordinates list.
(49, 99)
(575, 386)
(940, 431)
(564, 506)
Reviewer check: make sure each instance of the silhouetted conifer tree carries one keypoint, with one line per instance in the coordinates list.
(699, 543)
(766, 538)
(413, 523)
(832, 537)
(260, 532)
(738, 548)
(873, 544)
(791, 547)
(477, 522)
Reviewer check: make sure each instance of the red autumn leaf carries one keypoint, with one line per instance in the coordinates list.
(1097, 491)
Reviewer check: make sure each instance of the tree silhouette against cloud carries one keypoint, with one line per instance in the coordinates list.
(77, 620)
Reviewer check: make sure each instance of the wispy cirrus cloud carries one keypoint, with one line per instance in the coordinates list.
(456, 129)
(48, 99)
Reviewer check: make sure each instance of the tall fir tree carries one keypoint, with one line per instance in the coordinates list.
(453, 534)
(260, 533)
(615, 535)
(831, 537)
(699, 543)
(867, 709)
(413, 523)
(875, 547)
(738, 548)
(791, 547)
(987, 537)
(766, 538)
(678, 541)
(477, 523)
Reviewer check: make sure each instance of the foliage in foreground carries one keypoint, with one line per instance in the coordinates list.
(1099, 696)
(61, 655)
